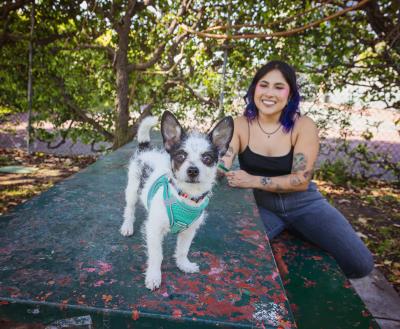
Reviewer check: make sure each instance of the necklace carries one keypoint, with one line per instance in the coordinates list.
(267, 133)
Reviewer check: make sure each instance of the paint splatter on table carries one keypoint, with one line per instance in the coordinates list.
(61, 256)
(320, 295)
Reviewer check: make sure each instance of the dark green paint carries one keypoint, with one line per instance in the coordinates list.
(320, 295)
(61, 253)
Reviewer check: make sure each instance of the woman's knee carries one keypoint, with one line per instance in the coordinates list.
(360, 267)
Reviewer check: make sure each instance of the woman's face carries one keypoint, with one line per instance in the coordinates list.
(272, 93)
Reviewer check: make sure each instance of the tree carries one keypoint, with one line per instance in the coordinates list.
(101, 66)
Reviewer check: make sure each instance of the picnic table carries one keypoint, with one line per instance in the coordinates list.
(64, 264)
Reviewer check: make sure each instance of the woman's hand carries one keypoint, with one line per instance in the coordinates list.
(240, 178)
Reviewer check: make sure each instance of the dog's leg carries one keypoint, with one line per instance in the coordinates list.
(183, 243)
(131, 197)
(154, 238)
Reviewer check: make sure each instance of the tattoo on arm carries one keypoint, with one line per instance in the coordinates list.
(265, 181)
(295, 181)
(299, 162)
(230, 152)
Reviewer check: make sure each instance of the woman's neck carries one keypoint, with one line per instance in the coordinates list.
(269, 120)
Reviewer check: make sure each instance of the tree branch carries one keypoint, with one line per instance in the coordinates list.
(10, 6)
(79, 112)
(274, 34)
(155, 57)
(203, 100)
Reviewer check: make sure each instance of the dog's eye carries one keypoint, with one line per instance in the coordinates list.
(180, 157)
(207, 159)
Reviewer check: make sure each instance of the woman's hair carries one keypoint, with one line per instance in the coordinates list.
(291, 109)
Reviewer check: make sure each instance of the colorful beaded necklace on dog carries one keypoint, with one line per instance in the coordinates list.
(185, 195)
(180, 214)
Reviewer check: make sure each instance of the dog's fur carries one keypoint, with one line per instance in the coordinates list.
(190, 161)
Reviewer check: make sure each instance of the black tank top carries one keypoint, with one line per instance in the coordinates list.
(261, 165)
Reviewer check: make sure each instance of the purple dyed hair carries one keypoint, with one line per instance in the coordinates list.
(291, 109)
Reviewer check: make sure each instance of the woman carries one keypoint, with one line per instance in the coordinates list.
(277, 149)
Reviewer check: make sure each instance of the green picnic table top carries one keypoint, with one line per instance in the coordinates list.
(62, 256)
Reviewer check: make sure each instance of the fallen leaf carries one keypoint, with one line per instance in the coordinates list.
(107, 298)
(362, 220)
(361, 235)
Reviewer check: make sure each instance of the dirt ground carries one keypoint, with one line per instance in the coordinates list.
(374, 210)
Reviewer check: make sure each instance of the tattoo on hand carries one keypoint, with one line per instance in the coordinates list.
(299, 162)
(265, 181)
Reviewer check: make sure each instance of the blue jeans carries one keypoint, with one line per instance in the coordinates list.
(310, 215)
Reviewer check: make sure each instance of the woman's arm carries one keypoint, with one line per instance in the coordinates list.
(234, 146)
(305, 154)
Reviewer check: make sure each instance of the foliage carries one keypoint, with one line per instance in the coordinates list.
(97, 64)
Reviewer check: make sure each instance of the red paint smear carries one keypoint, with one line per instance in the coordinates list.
(280, 248)
(278, 298)
(255, 235)
(5, 250)
(224, 308)
(213, 260)
(347, 284)
(365, 313)
(4, 302)
(282, 267)
(245, 271)
(317, 257)
(135, 315)
(294, 308)
(261, 325)
(98, 283)
(309, 283)
(64, 281)
(254, 289)
(177, 313)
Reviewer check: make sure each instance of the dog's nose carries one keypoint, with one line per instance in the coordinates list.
(193, 171)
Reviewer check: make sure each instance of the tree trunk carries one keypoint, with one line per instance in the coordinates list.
(121, 136)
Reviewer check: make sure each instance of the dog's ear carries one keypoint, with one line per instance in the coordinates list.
(222, 134)
(172, 132)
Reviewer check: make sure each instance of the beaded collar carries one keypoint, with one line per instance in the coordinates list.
(185, 195)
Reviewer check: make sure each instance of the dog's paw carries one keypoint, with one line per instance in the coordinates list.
(153, 280)
(126, 229)
(187, 267)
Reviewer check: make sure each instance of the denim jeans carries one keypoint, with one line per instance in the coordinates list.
(310, 215)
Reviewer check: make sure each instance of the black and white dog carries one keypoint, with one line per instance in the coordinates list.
(174, 186)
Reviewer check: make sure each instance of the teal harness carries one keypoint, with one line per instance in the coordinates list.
(180, 215)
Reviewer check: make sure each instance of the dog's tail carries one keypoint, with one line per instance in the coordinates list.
(143, 133)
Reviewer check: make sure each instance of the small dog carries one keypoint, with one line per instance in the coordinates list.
(174, 186)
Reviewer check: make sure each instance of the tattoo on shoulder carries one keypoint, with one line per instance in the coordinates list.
(265, 181)
(299, 162)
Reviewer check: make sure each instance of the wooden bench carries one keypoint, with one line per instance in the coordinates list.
(63, 261)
